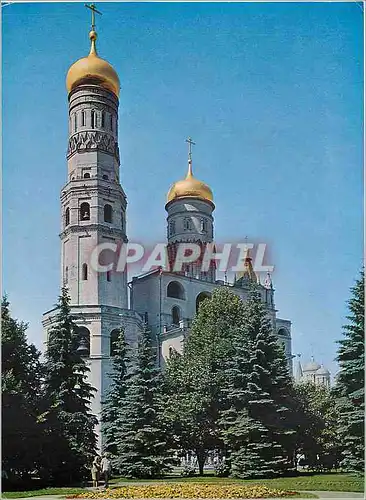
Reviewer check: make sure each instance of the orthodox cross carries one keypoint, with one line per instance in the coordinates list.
(190, 144)
(93, 11)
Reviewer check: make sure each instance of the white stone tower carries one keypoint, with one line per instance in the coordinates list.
(190, 207)
(93, 212)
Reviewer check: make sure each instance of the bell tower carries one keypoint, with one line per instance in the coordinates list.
(93, 213)
(190, 220)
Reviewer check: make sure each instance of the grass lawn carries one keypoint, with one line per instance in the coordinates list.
(316, 482)
(41, 492)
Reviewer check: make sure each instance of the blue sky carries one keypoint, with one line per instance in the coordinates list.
(272, 93)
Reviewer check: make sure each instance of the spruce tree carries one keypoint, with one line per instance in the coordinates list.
(141, 442)
(69, 423)
(114, 400)
(257, 423)
(20, 392)
(194, 382)
(350, 382)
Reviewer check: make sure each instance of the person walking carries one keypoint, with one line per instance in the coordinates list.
(95, 470)
(106, 469)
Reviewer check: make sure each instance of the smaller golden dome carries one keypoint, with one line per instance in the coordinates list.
(93, 69)
(190, 187)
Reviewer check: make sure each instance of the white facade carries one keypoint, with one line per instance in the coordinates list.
(312, 372)
(93, 212)
(159, 296)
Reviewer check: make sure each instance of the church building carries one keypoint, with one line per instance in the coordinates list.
(93, 212)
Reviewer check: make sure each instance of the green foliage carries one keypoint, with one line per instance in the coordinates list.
(350, 381)
(316, 425)
(141, 443)
(257, 420)
(193, 382)
(20, 390)
(68, 423)
(114, 400)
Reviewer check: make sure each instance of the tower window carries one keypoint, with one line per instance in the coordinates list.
(86, 175)
(105, 177)
(103, 119)
(75, 122)
(66, 275)
(83, 118)
(203, 225)
(83, 341)
(175, 315)
(122, 221)
(113, 345)
(84, 272)
(92, 119)
(85, 211)
(111, 122)
(108, 213)
(109, 275)
(187, 224)
(67, 216)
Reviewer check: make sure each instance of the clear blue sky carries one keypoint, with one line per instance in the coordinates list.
(271, 92)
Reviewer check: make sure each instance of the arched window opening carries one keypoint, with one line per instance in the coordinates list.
(111, 122)
(83, 340)
(282, 332)
(204, 225)
(85, 211)
(187, 224)
(67, 216)
(113, 344)
(175, 315)
(171, 351)
(105, 177)
(102, 119)
(83, 118)
(109, 275)
(84, 272)
(200, 298)
(92, 119)
(108, 213)
(86, 175)
(175, 290)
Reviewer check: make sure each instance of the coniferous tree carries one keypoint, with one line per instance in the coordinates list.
(194, 382)
(114, 400)
(20, 391)
(69, 423)
(141, 442)
(350, 382)
(257, 422)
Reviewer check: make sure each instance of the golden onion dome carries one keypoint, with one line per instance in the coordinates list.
(93, 69)
(190, 187)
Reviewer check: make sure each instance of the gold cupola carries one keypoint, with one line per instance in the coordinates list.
(190, 187)
(94, 70)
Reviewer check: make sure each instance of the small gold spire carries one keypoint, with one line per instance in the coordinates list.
(93, 48)
(190, 144)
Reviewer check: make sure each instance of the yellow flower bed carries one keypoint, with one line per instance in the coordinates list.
(187, 490)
